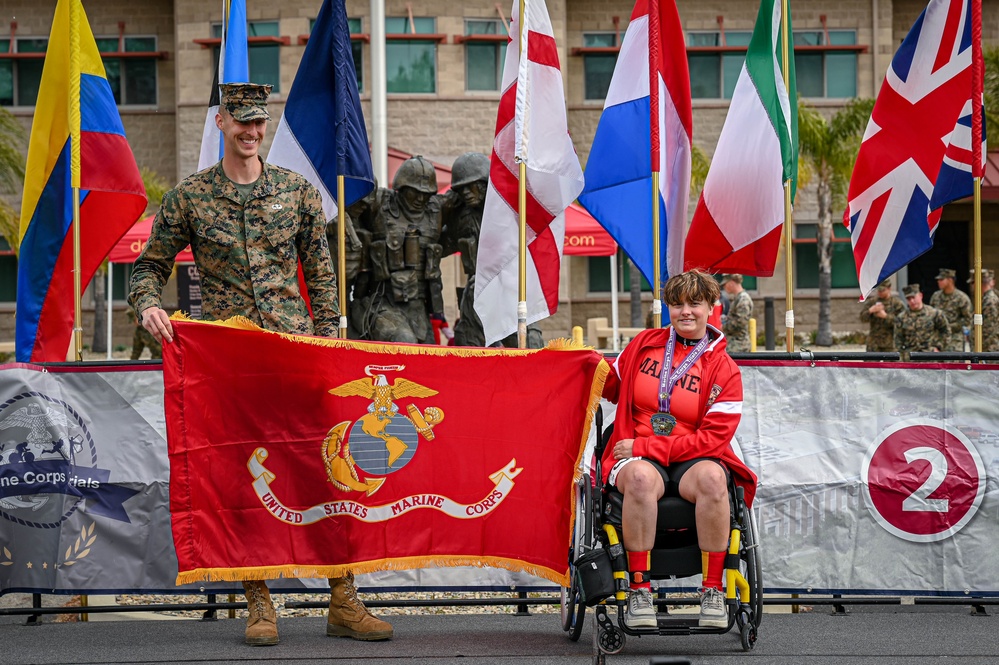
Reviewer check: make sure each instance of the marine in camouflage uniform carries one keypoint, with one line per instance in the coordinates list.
(246, 249)
(143, 339)
(880, 310)
(736, 324)
(990, 310)
(956, 306)
(248, 239)
(469, 180)
(921, 327)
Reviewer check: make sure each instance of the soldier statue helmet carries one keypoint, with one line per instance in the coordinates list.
(416, 182)
(471, 168)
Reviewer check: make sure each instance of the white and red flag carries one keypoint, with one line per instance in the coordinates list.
(531, 127)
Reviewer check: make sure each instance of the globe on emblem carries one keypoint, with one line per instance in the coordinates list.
(381, 446)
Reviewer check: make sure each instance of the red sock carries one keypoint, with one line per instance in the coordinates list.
(638, 569)
(712, 569)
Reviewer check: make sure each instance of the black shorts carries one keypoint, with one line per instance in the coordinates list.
(672, 474)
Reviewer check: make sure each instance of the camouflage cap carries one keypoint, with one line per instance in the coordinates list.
(735, 277)
(246, 101)
(886, 284)
(986, 275)
(946, 273)
(911, 290)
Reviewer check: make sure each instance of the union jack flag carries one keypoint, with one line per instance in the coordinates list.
(916, 154)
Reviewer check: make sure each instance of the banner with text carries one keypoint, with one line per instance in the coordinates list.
(874, 478)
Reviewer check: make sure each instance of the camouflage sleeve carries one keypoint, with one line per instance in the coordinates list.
(966, 312)
(170, 234)
(865, 316)
(899, 336)
(738, 316)
(317, 267)
(942, 330)
(897, 308)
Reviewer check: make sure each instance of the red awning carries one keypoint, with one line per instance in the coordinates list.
(134, 241)
(584, 236)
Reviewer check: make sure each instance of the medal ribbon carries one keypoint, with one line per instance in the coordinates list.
(668, 379)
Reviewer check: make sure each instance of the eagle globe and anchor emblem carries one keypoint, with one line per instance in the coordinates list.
(381, 441)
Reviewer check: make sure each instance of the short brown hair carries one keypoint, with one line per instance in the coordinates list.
(690, 287)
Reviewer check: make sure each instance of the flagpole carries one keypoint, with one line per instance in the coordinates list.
(522, 225)
(657, 306)
(74, 138)
(788, 226)
(976, 159)
(341, 256)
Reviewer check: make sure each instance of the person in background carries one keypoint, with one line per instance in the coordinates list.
(736, 323)
(921, 327)
(143, 339)
(879, 311)
(956, 306)
(249, 224)
(679, 397)
(990, 309)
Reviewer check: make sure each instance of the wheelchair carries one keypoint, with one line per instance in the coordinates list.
(598, 565)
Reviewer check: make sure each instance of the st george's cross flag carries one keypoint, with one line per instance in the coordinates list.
(531, 127)
(363, 456)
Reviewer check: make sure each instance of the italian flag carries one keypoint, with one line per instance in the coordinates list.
(737, 223)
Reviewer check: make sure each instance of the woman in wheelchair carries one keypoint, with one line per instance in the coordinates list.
(679, 397)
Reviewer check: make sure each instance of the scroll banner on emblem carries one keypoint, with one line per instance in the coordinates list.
(297, 456)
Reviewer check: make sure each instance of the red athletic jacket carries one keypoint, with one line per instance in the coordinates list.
(721, 409)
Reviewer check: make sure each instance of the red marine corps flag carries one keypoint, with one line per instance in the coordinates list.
(300, 456)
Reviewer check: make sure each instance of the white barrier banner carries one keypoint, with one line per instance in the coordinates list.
(875, 478)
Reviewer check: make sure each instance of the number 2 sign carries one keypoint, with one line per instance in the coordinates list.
(923, 480)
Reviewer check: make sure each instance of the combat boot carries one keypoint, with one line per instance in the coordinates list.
(349, 617)
(261, 624)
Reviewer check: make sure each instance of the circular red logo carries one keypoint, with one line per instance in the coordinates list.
(923, 480)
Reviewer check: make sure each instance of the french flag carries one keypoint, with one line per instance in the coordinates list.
(640, 132)
(321, 134)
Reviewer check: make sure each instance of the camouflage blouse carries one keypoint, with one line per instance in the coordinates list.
(247, 253)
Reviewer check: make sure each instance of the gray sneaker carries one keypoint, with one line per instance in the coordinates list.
(714, 614)
(641, 613)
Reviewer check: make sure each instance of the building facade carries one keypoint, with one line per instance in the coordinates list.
(444, 67)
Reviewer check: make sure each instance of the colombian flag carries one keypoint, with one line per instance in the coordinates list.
(77, 141)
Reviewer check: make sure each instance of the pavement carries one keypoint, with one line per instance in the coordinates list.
(865, 635)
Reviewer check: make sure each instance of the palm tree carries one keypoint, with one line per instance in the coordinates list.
(12, 137)
(830, 149)
(991, 57)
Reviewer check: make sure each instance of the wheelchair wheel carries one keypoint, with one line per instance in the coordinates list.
(608, 638)
(748, 635)
(572, 608)
(754, 570)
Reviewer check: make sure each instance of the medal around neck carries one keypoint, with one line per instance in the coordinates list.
(663, 423)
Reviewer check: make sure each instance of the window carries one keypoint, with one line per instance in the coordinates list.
(825, 73)
(599, 274)
(8, 272)
(20, 78)
(354, 25)
(484, 58)
(714, 73)
(264, 57)
(411, 64)
(598, 68)
(132, 80)
(844, 270)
